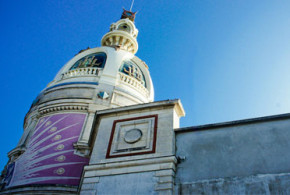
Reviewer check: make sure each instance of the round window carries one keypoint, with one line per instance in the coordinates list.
(124, 27)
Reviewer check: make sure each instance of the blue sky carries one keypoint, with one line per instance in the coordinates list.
(226, 60)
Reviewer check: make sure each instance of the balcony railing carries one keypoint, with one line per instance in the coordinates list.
(131, 81)
(80, 72)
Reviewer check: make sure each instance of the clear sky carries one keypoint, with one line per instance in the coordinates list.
(226, 60)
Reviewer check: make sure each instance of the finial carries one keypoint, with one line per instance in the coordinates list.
(128, 14)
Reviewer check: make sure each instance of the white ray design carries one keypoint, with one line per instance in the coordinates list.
(21, 176)
(45, 130)
(31, 156)
(38, 164)
(50, 136)
(48, 156)
(56, 143)
(44, 122)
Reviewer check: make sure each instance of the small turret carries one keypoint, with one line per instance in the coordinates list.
(122, 34)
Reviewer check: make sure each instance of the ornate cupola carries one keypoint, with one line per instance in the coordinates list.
(123, 33)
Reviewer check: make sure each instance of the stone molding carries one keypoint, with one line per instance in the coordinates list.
(166, 103)
(89, 185)
(65, 107)
(165, 183)
(82, 149)
(116, 168)
(149, 147)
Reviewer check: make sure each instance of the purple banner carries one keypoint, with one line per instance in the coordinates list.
(50, 158)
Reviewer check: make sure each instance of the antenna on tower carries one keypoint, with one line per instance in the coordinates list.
(131, 5)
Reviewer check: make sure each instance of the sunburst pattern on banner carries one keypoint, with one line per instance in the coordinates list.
(50, 158)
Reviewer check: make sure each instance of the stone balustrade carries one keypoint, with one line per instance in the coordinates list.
(80, 72)
(132, 82)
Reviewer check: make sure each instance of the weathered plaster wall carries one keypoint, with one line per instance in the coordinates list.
(260, 184)
(234, 150)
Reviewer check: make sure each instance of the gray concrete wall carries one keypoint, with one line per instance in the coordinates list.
(238, 149)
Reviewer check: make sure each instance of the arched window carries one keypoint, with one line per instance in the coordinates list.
(131, 69)
(124, 27)
(95, 60)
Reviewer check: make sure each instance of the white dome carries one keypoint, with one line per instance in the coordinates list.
(122, 76)
(63, 115)
(100, 78)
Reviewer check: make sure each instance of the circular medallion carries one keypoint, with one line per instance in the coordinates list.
(57, 137)
(47, 123)
(133, 136)
(60, 147)
(60, 158)
(60, 171)
(53, 129)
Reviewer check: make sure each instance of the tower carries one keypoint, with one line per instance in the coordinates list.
(57, 140)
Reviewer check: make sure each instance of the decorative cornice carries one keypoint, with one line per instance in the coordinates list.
(62, 108)
(72, 83)
(135, 163)
(82, 149)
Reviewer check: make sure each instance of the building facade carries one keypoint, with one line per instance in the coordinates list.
(95, 129)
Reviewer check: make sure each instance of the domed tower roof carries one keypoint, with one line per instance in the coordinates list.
(108, 76)
(56, 141)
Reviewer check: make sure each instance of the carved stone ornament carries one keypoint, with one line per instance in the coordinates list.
(133, 136)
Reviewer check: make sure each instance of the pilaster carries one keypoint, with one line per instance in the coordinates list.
(82, 146)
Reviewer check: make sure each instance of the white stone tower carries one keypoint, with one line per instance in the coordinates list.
(56, 142)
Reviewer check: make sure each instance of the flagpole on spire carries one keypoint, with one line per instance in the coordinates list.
(131, 5)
